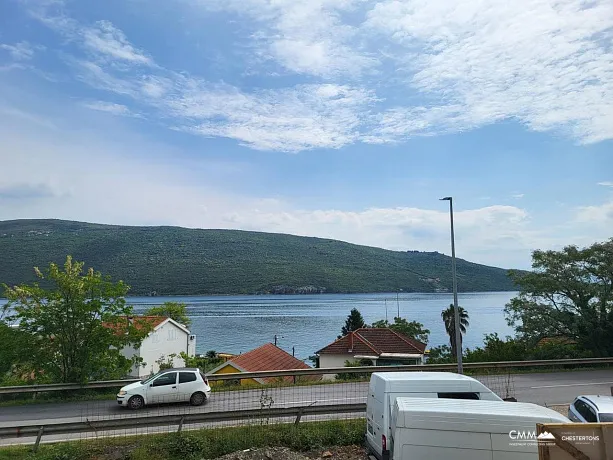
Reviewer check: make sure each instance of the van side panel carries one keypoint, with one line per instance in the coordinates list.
(443, 438)
(410, 452)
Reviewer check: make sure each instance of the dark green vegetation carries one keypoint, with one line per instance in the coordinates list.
(569, 293)
(566, 299)
(211, 443)
(171, 261)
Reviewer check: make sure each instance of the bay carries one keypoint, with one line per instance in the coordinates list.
(304, 324)
(307, 323)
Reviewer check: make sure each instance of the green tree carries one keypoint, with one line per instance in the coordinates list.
(496, 349)
(448, 316)
(78, 326)
(412, 329)
(211, 354)
(568, 293)
(174, 310)
(353, 322)
(15, 358)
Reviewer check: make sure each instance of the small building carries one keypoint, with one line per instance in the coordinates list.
(166, 338)
(268, 357)
(378, 346)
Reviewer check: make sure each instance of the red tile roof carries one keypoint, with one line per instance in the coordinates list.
(556, 340)
(374, 341)
(268, 357)
(140, 322)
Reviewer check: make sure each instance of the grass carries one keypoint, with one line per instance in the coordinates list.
(106, 395)
(201, 444)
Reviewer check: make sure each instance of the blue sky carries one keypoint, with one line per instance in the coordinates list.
(345, 119)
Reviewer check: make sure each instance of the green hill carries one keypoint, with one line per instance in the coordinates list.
(175, 261)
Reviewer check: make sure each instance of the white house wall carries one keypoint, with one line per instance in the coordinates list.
(166, 340)
(330, 360)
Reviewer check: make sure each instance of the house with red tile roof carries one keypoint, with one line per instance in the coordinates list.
(268, 357)
(166, 337)
(380, 346)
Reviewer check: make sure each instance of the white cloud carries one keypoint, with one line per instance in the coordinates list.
(21, 51)
(306, 37)
(106, 39)
(599, 214)
(110, 107)
(440, 67)
(300, 118)
(517, 196)
(547, 65)
(606, 184)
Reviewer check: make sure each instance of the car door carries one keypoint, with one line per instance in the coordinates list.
(188, 385)
(163, 389)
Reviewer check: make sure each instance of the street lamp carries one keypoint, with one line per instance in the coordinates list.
(458, 333)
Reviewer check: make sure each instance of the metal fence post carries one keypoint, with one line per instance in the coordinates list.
(40, 435)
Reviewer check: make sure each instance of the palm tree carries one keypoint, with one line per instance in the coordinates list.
(448, 316)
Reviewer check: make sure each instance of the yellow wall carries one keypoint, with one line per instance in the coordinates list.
(229, 369)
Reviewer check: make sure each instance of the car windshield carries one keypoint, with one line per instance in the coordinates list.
(606, 417)
(146, 381)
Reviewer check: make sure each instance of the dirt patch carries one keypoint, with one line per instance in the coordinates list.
(283, 453)
(561, 408)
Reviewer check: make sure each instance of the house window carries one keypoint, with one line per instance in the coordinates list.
(155, 337)
(172, 334)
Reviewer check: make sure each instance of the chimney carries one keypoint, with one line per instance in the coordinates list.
(351, 342)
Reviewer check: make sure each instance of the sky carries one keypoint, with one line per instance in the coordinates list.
(344, 119)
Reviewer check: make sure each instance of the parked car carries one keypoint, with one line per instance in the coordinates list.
(167, 386)
(385, 387)
(591, 409)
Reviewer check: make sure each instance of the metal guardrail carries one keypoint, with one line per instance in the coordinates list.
(66, 427)
(316, 371)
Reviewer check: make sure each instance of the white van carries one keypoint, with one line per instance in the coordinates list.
(437, 429)
(385, 387)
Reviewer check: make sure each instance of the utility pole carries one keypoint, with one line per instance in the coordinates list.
(458, 333)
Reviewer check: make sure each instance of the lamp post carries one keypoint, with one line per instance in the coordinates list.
(458, 333)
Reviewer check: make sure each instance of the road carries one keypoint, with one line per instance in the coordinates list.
(539, 388)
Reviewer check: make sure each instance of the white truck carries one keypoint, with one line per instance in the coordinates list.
(437, 429)
(385, 387)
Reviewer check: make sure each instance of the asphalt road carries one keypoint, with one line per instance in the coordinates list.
(543, 389)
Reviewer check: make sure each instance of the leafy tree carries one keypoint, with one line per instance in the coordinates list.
(448, 316)
(78, 326)
(353, 322)
(211, 354)
(204, 363)
(174, 310)
(15, 356)
(568, 293)
(496, 349)
(440, 355)
(412, 329)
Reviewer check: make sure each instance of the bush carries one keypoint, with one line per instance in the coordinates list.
(210, 443)
(358, 375)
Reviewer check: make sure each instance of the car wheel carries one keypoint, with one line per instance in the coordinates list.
(136, 402)
(197, 399)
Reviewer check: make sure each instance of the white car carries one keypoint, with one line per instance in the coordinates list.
(167, 386)
(591, 409)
